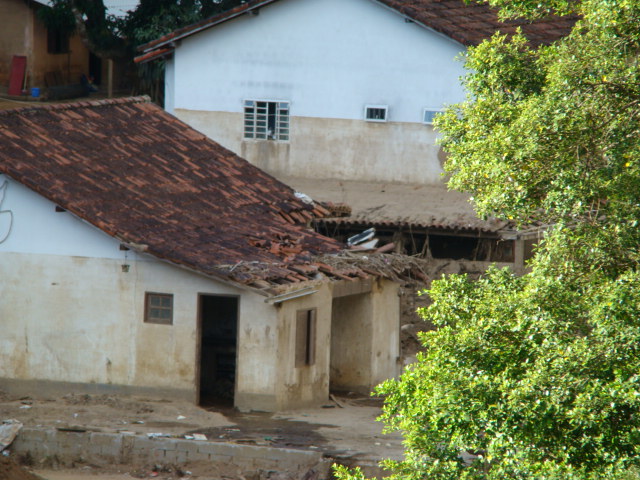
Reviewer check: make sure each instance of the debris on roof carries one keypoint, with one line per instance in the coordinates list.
(396, 267)
(164, 189)
(391, 205)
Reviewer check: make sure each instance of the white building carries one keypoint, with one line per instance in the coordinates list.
(342, 89)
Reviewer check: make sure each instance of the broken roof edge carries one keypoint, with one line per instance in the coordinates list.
(216, 272)
(363, 222)
(142, 249)
(395, 267)
(219, 278)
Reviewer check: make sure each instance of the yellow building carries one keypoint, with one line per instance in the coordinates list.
(48, 53)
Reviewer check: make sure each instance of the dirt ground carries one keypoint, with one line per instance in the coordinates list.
(344, 429)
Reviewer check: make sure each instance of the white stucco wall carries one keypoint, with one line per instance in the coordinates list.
(169, 86)
(31, 225)
(70, 313)
(328, 58)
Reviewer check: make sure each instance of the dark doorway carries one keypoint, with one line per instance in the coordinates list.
(95, 68)
(219, 334)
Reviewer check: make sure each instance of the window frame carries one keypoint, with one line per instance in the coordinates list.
(370, 108)
(148, 308)
(434, 111)
(305, 337)
(58, 42)
(266, 120)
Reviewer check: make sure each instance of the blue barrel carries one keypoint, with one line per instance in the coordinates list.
(35, 92)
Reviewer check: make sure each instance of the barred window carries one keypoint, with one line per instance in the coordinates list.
(266, 120)
(376, 113)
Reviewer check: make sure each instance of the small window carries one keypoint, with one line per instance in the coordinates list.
(266, 120)
(376, 113)
(158, 308)
(305, 337)
(428, 115)
(57, 41)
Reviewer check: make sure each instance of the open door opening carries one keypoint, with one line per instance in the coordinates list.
(350, 357)
(218, 347)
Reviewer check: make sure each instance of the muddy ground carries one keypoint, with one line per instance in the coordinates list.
(344, 429)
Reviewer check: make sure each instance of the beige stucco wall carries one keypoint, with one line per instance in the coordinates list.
(23, 34)
(332, 148)
(365, 344)
(72, 65)
(303, 385)
(80, 320)
(15, 35)
(351, 343)
(385, 352)
(364, 341)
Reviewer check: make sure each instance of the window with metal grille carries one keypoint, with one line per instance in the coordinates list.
(375, 113)
(305, 337)
(266, 120)
(158, 308)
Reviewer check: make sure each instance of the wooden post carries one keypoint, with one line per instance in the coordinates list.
(110, 78)
(518, 261)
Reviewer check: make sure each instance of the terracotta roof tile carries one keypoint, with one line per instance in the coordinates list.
(142, 176)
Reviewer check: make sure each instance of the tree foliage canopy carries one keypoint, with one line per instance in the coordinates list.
(539, 376)
(108, 36)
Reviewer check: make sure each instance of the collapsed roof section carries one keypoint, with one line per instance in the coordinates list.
(391, 204)
(162, 188)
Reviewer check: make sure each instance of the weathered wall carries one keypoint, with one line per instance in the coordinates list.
(309, 384)
(23, 33)
(385, 354)
(117, 448)
(72, 64)
(332, 148)
(79, 319)
(351, 343)
(70, 313)
(15, 35)
(365, 344)
(328, 58)
(257, 369)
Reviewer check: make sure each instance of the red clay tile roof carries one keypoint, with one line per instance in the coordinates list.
(472, 23)
(468, 24)
(147, 179)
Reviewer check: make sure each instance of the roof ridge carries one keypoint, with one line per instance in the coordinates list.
(75, 105)
(244, 7)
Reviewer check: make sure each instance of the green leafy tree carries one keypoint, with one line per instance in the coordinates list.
(538, 377)
(154, 18)
(118, 38)
(98, 31)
